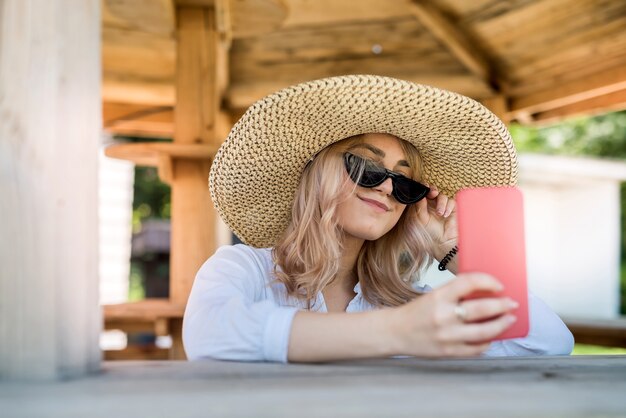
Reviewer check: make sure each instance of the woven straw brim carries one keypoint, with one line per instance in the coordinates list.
(256, 171)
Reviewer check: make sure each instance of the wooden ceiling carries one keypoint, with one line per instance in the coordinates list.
(528, 60)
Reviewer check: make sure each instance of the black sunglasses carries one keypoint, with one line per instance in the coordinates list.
(405, 190)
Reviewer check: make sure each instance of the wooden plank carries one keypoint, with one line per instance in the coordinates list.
(606, 332)
(526, 387)
(498, 105)
(148, 153)
(137, 353)
(306, 13)
(540, 28)
(138, 54)
(606, 103)
(243, 94)
(137, 90)
(156, 16)
(589, 50)
(158, 326)
(574, 91)
(138, 120)
(355, 40)
(144, 310)
(197, 98)
(50, 130)
(458, 42)
(129, 325)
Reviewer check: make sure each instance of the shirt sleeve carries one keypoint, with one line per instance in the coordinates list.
(228, 316)
(547, 335)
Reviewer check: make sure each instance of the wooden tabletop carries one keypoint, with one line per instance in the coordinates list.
(580, 386)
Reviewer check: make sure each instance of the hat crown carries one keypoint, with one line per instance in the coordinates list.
(257, 169)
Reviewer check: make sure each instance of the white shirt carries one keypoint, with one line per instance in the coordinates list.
(235, 312)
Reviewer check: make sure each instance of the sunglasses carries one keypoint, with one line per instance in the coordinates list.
(366, 173)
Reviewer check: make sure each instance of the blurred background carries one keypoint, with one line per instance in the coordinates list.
(553, 70)
(138, 95)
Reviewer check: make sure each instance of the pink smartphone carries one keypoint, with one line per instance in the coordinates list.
(491, 240)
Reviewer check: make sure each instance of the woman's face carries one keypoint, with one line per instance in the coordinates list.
(365, 213)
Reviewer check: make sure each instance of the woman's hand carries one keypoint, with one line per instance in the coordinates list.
(440, 324)
(437, 214)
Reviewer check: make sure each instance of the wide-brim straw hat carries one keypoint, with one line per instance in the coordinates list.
(256, 171)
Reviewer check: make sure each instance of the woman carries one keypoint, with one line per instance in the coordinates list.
(340, 189)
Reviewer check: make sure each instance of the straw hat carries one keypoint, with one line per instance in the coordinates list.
(257, 170)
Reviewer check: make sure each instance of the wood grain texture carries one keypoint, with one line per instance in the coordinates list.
(50, 124)
(520, 47)
(532, 387)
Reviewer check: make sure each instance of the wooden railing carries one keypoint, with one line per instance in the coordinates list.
(605, 332)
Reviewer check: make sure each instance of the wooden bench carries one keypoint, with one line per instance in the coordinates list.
(159, 316)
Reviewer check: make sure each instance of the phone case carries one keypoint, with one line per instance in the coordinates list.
(491, 240)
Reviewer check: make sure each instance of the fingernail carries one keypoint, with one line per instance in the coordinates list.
(511, 318)
(512, 304)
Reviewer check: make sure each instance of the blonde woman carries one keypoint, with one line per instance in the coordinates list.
(339, 188)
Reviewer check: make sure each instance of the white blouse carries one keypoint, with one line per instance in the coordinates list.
(235, 312)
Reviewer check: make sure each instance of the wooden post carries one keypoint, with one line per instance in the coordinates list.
(50, 122)
(196, 121)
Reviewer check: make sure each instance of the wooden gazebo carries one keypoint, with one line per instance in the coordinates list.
(187, 69)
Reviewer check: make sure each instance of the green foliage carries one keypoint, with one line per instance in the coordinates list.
(595, 136)
(585, 349)
(599, 136)
(136, 288)
(151, 197)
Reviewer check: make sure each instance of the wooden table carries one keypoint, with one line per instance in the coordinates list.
(582, 386)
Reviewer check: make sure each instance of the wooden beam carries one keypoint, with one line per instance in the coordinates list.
(155, 16)
(610, 102)
(196, 76)
(605, 332)
(452, 37)
(563, 94)
(137, 90)
(147, 153)
(197, 121)
(243, 94)
(498, 105)
(138, 120)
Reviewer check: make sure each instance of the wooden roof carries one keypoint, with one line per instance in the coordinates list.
(530, 60)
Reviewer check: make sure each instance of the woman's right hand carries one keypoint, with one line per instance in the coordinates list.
(432, 326)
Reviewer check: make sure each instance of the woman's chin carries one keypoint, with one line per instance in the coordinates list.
(367, 235)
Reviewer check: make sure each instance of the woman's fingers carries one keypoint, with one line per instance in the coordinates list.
(442, 203)
(450, 208)
(484, 331)
(466, 283)
(485, 308)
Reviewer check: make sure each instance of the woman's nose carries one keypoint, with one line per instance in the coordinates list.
(385, 187)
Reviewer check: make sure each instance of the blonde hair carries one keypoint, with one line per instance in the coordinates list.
(308, 254)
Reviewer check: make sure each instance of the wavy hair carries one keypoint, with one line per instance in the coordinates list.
(307, 256)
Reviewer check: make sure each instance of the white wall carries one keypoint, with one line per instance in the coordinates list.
(115, 196)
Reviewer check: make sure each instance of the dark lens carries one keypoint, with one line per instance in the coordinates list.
(407, 191)
(371, 175)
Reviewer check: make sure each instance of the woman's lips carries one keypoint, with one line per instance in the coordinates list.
(375, 204)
